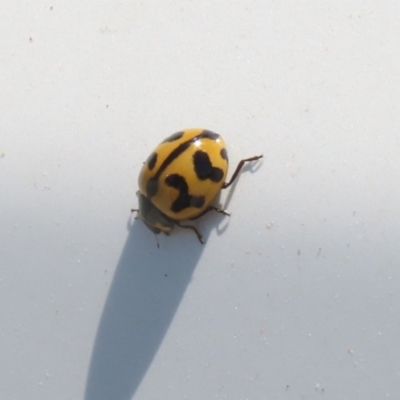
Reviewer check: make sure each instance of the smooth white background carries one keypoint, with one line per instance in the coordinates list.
(296, 296)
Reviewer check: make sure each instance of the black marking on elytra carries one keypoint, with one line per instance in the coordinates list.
(184, 199)
(210, 135)
(177, 152)
(224, 154)
(151, 187)
(204, 169)
(173, 137)
(171, 157)
(151, 161)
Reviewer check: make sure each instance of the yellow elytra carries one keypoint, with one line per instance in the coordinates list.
(181, 178)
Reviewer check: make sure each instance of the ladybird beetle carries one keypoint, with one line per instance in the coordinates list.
(182, 177)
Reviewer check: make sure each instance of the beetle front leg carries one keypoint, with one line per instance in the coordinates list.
(238, 168)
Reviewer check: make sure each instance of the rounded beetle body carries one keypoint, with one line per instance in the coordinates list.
(185, 173)
(181, 178)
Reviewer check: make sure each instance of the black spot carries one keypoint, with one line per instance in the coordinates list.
(151, 187)
(224, 154)
(177, 181)
(204, 169)
(184, 199)
(171, 157)
(174, 137)
(151, 161)
(209, 135)
(214, 174)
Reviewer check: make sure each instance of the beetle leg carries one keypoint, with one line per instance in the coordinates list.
(137, 211)
(193, 229)
(158, 244)
(238, 168)
(212, 208)
(218, 210)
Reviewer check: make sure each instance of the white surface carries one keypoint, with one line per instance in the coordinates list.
(296, 296)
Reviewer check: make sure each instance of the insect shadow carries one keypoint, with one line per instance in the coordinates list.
(147, 288)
